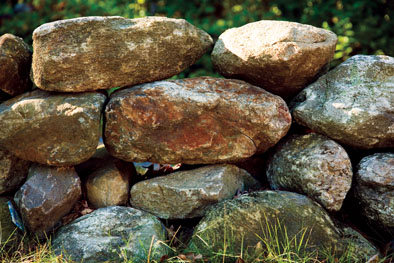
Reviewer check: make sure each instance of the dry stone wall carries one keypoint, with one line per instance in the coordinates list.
(55, 129)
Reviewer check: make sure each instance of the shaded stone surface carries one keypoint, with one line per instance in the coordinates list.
(374, 188)
(194, 121)
(107, 232)
(359, 246)
(48, 195)
(241, 220)
(90, 53)
(353, 103)
(9, 234)
(313, 165)
(15, 62)
(51, 128)
(188, 194)
(110, 184)
(13, 172)
(281, 57)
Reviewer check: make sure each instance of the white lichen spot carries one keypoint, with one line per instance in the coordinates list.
(68, 109)
(338, 105)
(131, 45)
(81, 120)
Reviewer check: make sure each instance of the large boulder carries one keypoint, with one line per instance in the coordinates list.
(9, 233)
(48, 195)
(13, 172)
(15, 64)
(313, 165)
(51, 128)
(112, 234)
(374, 189)
(193, 121)
(90, 53)
(276, 217)
(353, 104)
(281, 57)
(188, 194)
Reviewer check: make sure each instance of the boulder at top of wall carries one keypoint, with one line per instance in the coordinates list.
(281, 57)
(15, 64)
(51, 128)
(352, 104)
(90, 53)
(193, 121)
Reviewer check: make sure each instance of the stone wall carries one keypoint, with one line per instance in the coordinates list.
(278, 140)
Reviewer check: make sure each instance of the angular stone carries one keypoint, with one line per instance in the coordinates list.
(15, 63)
(9, 234)
(353, 104)
(108, 233)
(247, 220)
(13, 172)
(90, 53)
(48, 195)
(313, 165)
(51, 128)
(188, 194)
(193, 121)
(281, 57)
(374, 188)
(110, 184)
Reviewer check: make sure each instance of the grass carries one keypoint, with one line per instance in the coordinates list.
(272, 248)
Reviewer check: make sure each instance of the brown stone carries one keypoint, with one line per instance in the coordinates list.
(193, 121)
(48, 195)
(15, 63)
(281, 57)
(90, 53)
(188, 194)
(50, 128)
(13, 172)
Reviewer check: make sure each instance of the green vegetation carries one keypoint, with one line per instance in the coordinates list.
(362, 26)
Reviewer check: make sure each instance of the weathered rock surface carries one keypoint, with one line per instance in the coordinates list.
(281, 57)
(105, 234)
(90, 53)
(374, 188)
(110, 184)
(13, 172)
(48, 194)
(51, 128)
(241, 220)
(9, 235)
(194, 121)
(313, 165)
(188, 194)
(359, 246)
(353, 104)
(15, 62)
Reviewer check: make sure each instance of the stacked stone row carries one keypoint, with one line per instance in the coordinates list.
(192, 121)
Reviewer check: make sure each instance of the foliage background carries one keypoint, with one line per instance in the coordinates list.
(362, 26)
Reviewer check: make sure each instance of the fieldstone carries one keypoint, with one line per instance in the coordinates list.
(281, 57)
(13, 172)
(48, 194)
(15, 63)
(193, 121)
(90, 53)
(188, 194)
(358, 245)
(50, 128)
(110, 184)
(313, 165)
(112, 234)
(374, 188)
(248, 219)
(353, 104)
(9, 234)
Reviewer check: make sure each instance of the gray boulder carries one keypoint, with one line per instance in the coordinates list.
(112, 234)
(48, 195)
(90, 53)
(352, 104)
(312, 165)
(13, 172)
(189, 193)
(374, 189)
